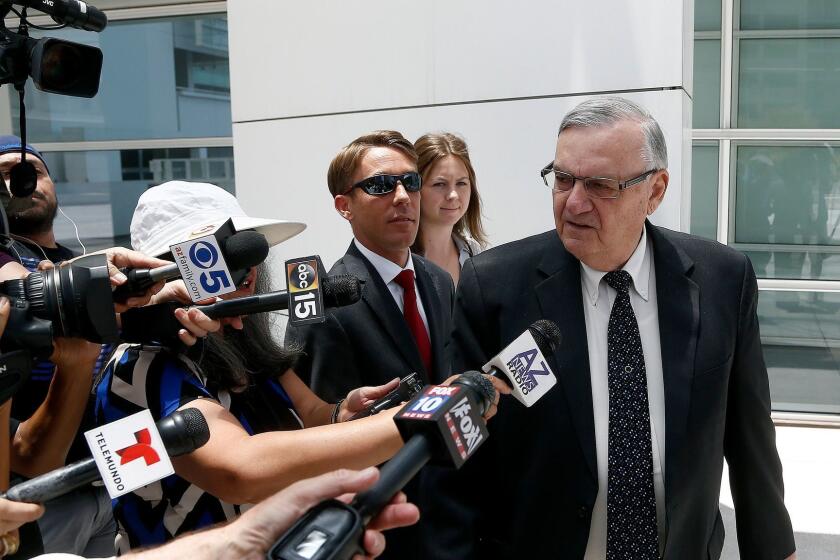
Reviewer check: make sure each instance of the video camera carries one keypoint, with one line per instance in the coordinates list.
(69, 301)
(55, 65)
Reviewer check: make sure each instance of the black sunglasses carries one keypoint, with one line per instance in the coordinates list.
(384, 184)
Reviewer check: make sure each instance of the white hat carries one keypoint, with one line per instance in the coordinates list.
(178, 211)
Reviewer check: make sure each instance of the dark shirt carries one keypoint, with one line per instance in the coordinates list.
(5, 259)
(58, 254)
(34, 392)
(153, 378)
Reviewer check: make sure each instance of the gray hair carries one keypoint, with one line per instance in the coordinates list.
(607, 110)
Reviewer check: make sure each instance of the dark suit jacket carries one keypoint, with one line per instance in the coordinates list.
(529, 492)
(369, 343)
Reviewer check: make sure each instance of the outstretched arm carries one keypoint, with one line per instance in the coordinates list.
(250, 536)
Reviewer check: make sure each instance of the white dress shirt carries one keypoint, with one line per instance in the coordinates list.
(389, 271)
(598, 298)
(467, 247)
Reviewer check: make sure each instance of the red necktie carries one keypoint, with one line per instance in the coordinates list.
(412, 317)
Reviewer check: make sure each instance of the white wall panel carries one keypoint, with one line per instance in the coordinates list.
(281, 165)
(322, 56)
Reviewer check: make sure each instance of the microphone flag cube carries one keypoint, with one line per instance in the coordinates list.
(449, 415)
(525, 366)
(129, 453)
(306, 304)
(202, 263)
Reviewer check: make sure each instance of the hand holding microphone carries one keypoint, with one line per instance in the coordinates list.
(443, 424)
(182, 432)
(157, 323)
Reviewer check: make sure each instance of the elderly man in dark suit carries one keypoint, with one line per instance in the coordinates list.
(404, 319)
(660, 375)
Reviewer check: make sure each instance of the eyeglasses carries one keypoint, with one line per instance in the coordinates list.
(384, 184)
(595, 187)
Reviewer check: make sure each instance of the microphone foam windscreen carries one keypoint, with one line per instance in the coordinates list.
(196, 426)
(480, 383)
(245, 249)
(547, 335)
(341, 289)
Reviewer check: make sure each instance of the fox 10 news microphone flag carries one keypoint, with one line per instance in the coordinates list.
(442, 424)
(127, 454)
(522, 364)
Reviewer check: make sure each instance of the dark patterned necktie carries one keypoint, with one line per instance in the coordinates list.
(631, 503)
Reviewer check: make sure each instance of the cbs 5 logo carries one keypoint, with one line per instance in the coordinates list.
(206, 256)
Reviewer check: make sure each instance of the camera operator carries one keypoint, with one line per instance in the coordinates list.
(31, 218)
(80, 522)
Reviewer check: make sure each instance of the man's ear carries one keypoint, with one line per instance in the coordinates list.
(343, 206)
(657, 191)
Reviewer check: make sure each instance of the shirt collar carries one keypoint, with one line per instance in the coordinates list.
(638, 267)
(386, 269)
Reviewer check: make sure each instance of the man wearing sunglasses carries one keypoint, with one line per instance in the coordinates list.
(404, 319)
(659, 378)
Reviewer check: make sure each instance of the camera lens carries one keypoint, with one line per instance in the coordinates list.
(76, 299)
(61, 66)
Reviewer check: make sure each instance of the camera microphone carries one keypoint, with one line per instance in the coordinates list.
(70, 12)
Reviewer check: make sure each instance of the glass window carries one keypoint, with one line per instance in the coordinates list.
(706, 107)
(788, 83)
(98, 190)
(706, 15)
(161, 78)
(787, 210)
(787, 14)
(704, 190)
(800, 336)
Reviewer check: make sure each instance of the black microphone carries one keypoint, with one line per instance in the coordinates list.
(70, 12)
(409, 386)
(182, 432)
(338, 290)
(156, 324)
(240, 251)
(23, 179)
(442, 424)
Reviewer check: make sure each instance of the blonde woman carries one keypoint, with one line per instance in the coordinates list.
(450, 207)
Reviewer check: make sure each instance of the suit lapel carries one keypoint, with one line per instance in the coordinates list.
(378, 298)
(560, 300)
(678, 299)
(429, 293)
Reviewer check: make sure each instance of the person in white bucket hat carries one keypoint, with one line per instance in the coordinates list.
(178, 211)
(243, 383)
